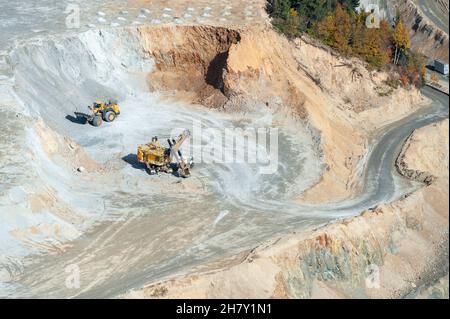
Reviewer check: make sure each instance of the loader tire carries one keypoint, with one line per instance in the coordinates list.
(110, 116)
(97, 121)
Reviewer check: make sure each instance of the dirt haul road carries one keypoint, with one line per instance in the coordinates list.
(113, 223)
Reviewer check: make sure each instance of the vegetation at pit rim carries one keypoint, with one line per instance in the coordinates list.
(338, 24)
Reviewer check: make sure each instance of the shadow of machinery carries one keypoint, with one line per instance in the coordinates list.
(430, 67)
(133, 161)
(76, 119)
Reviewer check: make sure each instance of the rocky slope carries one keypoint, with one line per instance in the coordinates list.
(239, 70)
(370, 256)
(426, 37)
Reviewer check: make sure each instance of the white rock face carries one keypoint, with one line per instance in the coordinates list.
(5, 277)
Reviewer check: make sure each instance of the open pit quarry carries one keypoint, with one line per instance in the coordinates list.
(358, 182)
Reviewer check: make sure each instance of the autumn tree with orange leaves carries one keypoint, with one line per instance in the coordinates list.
(336, 30)
(401, 41)
(343, 28)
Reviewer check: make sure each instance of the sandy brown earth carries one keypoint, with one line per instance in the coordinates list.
(374, 255)
(255, 67)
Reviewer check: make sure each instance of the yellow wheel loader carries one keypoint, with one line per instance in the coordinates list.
(100, 112)
(165, 159)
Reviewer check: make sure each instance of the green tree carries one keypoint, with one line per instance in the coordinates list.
(279, 8)
(311, 12)
(351, 5)
(314, 11)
